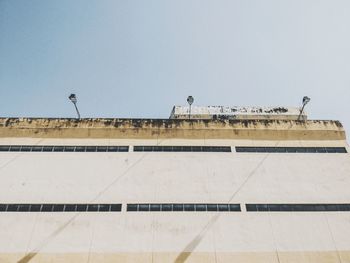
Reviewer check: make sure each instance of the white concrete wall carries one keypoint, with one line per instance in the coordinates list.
(153, 177)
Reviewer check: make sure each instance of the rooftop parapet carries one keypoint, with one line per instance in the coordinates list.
(221, 112)
(171, 128)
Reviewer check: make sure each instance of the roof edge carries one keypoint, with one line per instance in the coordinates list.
(172, 128)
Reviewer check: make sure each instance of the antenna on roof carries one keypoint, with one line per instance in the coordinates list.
(190, 100)
(73, 98)
(306, 100)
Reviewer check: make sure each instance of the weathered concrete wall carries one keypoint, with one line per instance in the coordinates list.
(197, 257)
(154, 177)
(141, 177)
(165, 129)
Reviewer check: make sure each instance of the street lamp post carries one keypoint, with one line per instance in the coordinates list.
(190, 100)
(73, 98)
(306, 100)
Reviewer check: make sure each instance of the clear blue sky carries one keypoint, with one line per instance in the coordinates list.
(139, 58)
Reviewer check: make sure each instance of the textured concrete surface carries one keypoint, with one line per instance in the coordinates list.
(173, 177)
(166, 129)
(247, 257)
(135, 177)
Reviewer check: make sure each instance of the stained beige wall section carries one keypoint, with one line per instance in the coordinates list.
(195, 257)
(166, 129)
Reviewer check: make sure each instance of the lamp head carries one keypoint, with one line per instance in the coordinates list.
(306, 100)
(73, 98)
(190, 100)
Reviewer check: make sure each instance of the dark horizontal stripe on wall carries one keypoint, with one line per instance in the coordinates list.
(184, 207)
(297, 207)
(291, 149)
(182, 149)
(58, 148)
(60, 207)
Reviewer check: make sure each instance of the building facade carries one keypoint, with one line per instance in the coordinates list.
(174, 190)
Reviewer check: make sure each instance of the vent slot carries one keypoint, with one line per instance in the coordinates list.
(182, 149)
(244, 149)
(297, 207)
(183, 207)
(60, 148)
(60, 207)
